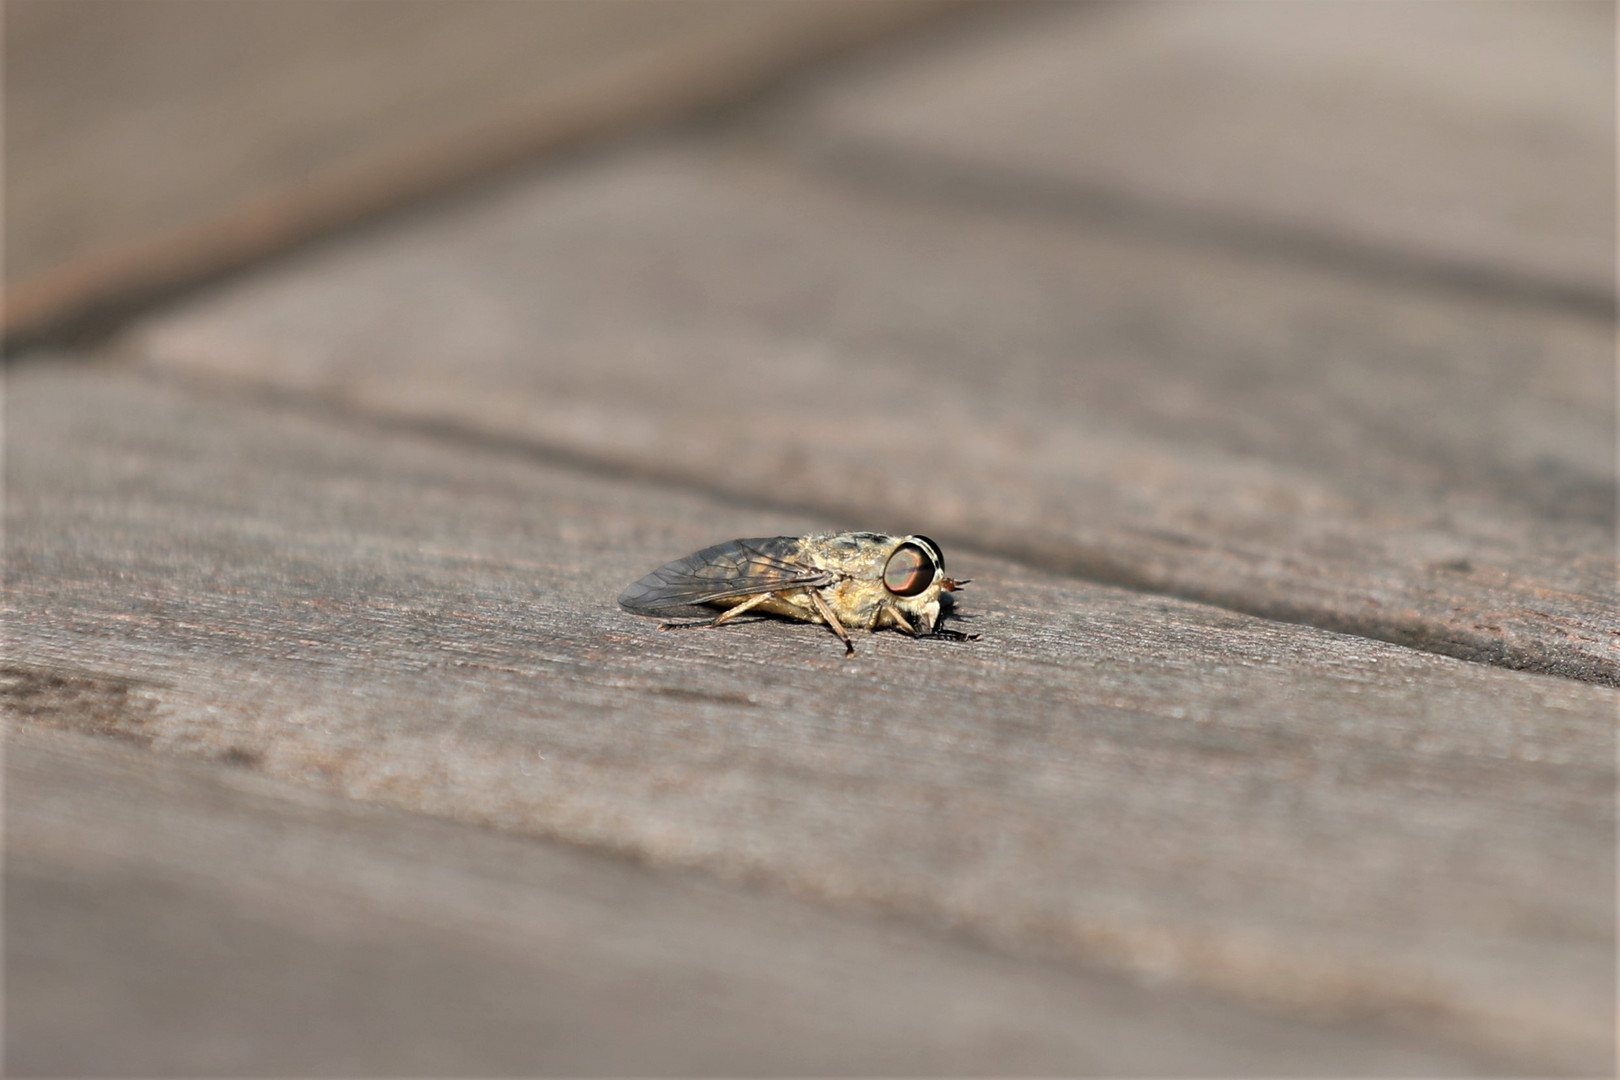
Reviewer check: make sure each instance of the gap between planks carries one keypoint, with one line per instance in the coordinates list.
(911, 174)
(454, 433)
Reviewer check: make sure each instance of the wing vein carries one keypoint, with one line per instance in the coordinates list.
(728, 571)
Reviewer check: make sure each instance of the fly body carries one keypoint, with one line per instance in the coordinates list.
(861, 580)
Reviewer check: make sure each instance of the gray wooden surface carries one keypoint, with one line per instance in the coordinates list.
(312, 642)
(1279, 438)
(215, 920)
(1288, 816)
(151, 143)
(1463, 143)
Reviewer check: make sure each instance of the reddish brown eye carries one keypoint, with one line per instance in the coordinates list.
(909, 571)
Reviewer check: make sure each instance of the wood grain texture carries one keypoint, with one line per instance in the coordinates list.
(1322, 825)
(1469, 143)
(1419, 466)
(174, 919)
(153, 142)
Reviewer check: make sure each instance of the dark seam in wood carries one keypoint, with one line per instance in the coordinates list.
(377, 193)
(1098, 567)
(884, 171)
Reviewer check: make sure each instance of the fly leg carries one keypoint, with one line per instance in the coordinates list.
(899, 620)
(948, 635)
(832, 622)
(722, 618)
(936, 632)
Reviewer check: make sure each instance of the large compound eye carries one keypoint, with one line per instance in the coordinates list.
(909, 571)
(932, 548)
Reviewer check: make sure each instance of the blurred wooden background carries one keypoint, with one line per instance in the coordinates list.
(1255, 360)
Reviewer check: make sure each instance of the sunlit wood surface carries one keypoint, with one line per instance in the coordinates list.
(1255, 362)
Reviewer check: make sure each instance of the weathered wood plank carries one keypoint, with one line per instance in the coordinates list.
(1314, 822)
(174, 919)
(1474, 143)
(151, 142)
(1418, 466)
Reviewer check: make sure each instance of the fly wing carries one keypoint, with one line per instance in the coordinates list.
(725, 571)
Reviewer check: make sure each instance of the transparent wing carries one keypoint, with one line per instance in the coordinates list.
(723, 572)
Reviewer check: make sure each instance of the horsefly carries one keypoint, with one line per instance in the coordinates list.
(861, 580)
